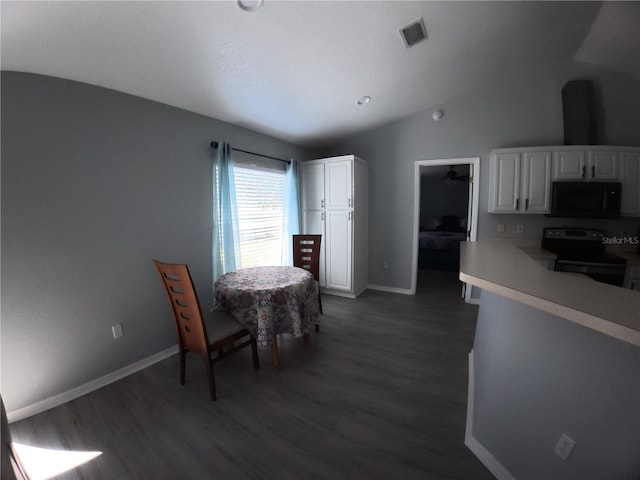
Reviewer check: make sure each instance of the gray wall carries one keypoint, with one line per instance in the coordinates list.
(516, 112)
(95, 184)
(538, 376)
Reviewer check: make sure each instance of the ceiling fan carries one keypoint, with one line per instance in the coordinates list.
(452, 176)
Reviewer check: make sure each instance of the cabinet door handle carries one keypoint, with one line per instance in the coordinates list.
(322, 216)
(593, 171)
(517, 203)
(322, 203)
(349, 216)
(349, 203)
(526, 204)
(583, 171)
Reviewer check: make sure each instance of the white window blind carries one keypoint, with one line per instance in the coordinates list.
(260, 200)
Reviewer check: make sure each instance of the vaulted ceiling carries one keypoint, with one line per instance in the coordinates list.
(295, 69)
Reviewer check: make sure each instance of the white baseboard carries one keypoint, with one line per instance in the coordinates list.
(337, 293)
(48, 403)
(407, 291)
(487, 459)
(403, 291)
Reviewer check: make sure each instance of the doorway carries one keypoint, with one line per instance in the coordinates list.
(439, 224)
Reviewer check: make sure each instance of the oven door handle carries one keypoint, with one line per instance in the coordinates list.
(590, 264)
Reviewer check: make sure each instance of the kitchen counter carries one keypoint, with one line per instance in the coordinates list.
(513, 272)
(538, 253)
(553, 353)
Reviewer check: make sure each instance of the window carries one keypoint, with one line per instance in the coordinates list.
(260, 199)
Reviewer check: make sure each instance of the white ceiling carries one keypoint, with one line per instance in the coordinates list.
(295, 69)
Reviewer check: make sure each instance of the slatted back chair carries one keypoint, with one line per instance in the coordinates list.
(212, 337)
(306, 254)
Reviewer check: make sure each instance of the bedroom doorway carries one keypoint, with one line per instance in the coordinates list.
(445, 213)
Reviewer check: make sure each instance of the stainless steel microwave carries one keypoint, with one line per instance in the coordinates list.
(586, 199)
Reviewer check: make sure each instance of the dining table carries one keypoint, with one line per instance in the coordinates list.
(269, 301)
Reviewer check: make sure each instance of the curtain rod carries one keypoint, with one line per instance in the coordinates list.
(214, 145)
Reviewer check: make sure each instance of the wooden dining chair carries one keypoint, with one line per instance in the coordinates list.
(212, 337)
(306, 254)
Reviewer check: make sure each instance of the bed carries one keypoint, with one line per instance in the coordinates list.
(439, 243)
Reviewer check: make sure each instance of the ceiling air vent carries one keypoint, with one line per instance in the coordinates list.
(414, 33)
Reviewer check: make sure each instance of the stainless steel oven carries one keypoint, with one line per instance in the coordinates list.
(581, 250)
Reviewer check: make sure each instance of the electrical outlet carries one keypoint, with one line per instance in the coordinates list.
(117, 331)
(500, 228)
(519, 228)
(564, 447)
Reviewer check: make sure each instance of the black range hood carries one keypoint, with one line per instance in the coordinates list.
(578, 112)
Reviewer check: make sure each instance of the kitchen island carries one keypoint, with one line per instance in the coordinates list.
(511, 271)
(554, 353)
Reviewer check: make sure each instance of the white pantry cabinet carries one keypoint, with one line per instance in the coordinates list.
(335, 205)
(520, 181)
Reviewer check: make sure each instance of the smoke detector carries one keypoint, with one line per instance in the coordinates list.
(413, 34)
(250, 5)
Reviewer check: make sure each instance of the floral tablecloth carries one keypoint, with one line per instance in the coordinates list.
(269, 300)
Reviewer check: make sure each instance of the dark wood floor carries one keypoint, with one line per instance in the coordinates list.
(380, 393)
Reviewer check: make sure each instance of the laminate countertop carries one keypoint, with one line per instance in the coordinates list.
(508, 270)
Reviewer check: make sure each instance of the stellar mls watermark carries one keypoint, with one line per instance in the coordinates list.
(621, 240)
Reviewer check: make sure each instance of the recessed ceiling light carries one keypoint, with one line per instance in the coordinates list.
(363, 100)
(250, 5)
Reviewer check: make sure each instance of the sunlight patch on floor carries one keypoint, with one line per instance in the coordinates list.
(44, 463)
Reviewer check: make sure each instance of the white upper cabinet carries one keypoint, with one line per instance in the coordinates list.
(520, 182)
(603, 165)
(520, 178)
(339, 185)
(504, 182)
(312, 186)
(327, 185)
(536, 181)
(569, 165)
(585, 165)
